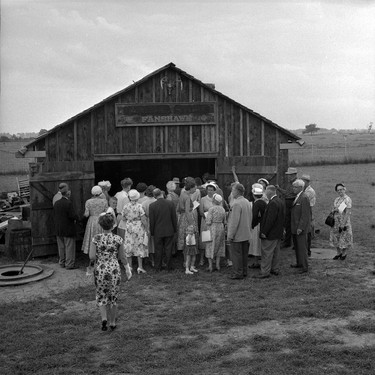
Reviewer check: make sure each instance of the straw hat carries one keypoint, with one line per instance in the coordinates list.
(133, 195)
(96, 190)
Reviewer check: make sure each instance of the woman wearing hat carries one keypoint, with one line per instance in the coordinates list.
(216, 220)
(341, 235)
(206, 204)
(93, 208)
(106, 187)
(259, 206)
(136, 230)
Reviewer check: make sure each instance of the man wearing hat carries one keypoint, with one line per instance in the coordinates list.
(176, 180)
(65, 218)
(289, 196)
(310, 192)
(62, 187)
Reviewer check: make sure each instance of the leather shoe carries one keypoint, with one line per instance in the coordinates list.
(276, 273)
(295, 266)
(303, 271)
(336, 257)
(343, 257)
(234, 277)
(261, 276)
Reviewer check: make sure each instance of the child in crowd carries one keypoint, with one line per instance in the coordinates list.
(190, 250)
(112, 209)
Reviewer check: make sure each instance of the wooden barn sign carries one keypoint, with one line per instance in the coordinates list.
(165, 114)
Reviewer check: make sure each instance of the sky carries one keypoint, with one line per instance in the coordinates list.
(294, 62)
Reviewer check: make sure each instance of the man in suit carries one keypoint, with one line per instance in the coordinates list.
(289, 196)
(271, 233)
(239, 224)
(300, 225)
(58, 195)
(65, 219)
(163, 226)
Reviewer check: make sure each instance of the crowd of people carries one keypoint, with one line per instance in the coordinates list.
(193, 218)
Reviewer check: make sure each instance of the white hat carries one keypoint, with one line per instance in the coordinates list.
(133, 195)
(264, 180)
(257, 191)
(96, 190)
(291, 171)
(305, 177)
(217, 197)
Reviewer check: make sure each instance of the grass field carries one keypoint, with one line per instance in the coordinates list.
(170, 323)
(9, 163)
(334, 148)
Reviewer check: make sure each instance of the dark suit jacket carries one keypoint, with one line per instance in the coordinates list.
(65, 217)
(301, 214)
(163, 218)
(272, 224)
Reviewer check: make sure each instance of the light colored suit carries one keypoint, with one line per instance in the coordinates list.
(239, 224)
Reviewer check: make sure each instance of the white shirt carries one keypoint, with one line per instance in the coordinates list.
(122, 199)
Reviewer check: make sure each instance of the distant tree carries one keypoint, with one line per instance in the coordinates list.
(42, 131)
(311, 128)
(4, 138)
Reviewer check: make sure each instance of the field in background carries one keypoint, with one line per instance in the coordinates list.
(9, 163)
(337, 148)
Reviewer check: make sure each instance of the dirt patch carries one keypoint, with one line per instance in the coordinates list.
(61, 280)
(335, 332)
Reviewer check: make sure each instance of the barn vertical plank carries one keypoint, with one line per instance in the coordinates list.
(262, 138)
(277, 155)
(241, 133)
(247, 134)
(75, 152)
(105, 129)
(190, 91)
(92, 138)
(226, 136)
(153, 90)
(190, 138)
(57, 146)
(166, 150)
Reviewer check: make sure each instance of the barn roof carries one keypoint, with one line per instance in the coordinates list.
(135, 84)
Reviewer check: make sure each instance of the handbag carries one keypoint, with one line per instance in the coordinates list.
(330, 221)
(206, 236)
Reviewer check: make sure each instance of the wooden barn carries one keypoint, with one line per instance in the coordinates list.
(168, 124)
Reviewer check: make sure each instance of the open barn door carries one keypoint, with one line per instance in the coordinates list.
(43, 187)
(151, 171)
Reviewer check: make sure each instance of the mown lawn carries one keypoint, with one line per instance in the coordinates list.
(170, 323)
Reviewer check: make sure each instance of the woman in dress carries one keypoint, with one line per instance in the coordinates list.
(259, 206)
(107, 272)
(206, 204)
(136, 230)
(93, 208)
(148, 199)
(186, 210)
(216, 220)
(341, 235)
(106, 187)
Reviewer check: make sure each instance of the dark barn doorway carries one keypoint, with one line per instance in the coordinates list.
(152, 171)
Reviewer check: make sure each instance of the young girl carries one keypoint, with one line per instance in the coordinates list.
(190, 250)
(112, 209)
